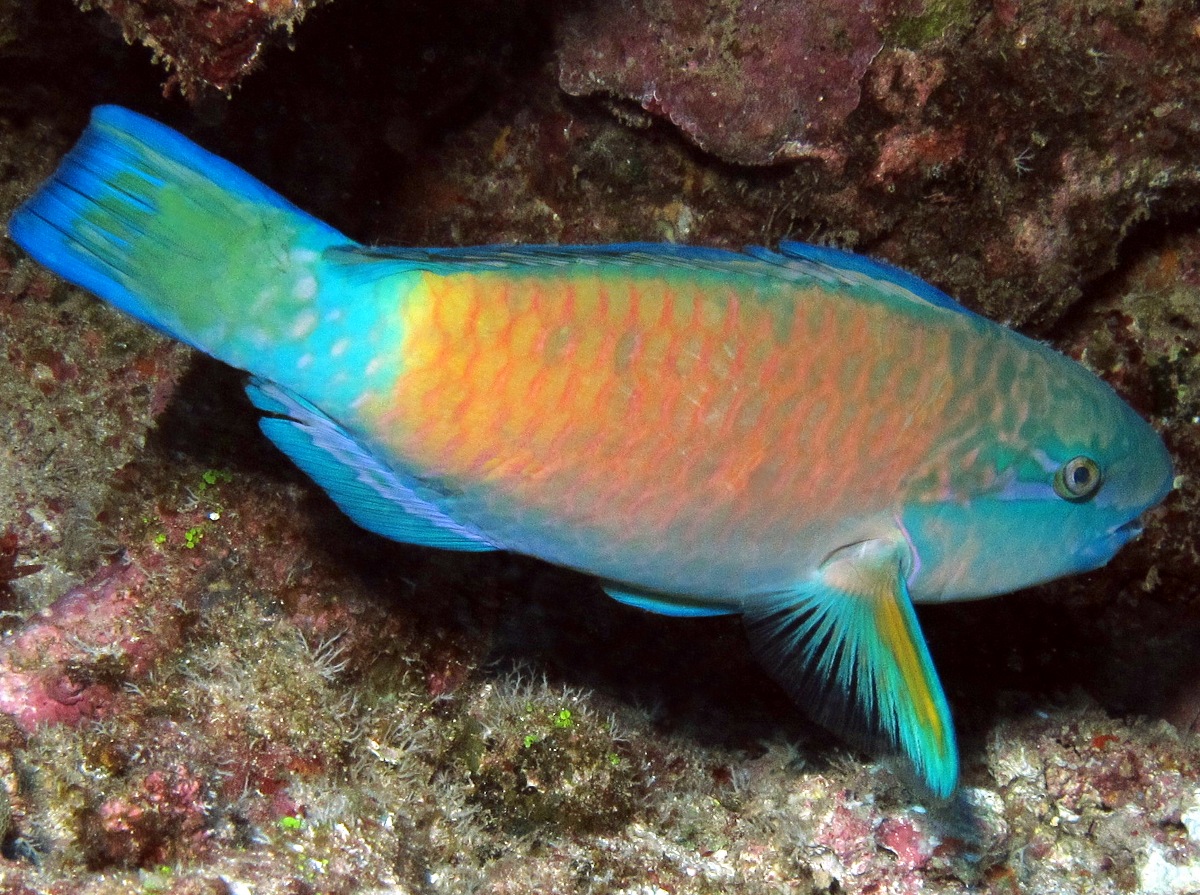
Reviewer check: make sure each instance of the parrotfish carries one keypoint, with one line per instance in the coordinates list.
(806, 437)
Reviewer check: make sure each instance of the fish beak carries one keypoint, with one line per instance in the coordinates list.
(1127, 531)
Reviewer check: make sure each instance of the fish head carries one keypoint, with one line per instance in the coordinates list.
(1056, 490)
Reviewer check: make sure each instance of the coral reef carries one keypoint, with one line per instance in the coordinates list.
(210, 681)
(1046, 131)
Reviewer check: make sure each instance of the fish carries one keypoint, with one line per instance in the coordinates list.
(805, 437)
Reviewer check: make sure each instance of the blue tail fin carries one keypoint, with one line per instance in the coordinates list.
(167, 232)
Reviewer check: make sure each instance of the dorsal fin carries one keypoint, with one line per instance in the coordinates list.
(860, 268)
(794, 262)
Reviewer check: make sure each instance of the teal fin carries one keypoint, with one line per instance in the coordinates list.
(369, 492)
(666, 604)
(156, 226)
(847, 645)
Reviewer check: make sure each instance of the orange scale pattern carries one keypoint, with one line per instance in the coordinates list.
(687, 405)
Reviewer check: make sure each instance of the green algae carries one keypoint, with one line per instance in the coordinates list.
(937, 19)
(540, 767)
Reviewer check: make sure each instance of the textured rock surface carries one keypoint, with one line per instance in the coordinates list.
(751, 82)
(206, 43)
(1046, 131)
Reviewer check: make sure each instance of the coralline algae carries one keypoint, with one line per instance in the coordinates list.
(753, 83)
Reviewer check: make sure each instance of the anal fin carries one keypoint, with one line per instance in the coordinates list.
(371, 493)
(666, 604)
(846, 645)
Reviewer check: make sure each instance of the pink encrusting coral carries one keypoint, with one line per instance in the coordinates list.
(67, 661)
(165, 813)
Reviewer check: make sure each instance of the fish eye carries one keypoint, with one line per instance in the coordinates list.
(1078, 479)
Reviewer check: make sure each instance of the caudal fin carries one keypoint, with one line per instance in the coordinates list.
(177, 237)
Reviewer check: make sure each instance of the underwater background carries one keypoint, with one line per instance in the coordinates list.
(211, 681)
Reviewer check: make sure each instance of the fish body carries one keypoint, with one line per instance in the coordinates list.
(748, 419)
(806, 437)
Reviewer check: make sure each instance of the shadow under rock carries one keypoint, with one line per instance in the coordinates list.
(695, 677)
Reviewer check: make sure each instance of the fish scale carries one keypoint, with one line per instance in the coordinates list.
(452, 331)
(807, 438)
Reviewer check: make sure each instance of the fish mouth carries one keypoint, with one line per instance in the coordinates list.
(1120, 535)
(1127, 530)
(1105, 547)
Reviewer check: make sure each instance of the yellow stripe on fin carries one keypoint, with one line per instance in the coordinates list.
(847, 646)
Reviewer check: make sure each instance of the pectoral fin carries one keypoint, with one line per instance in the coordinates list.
(847, 645)
(371, 493)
